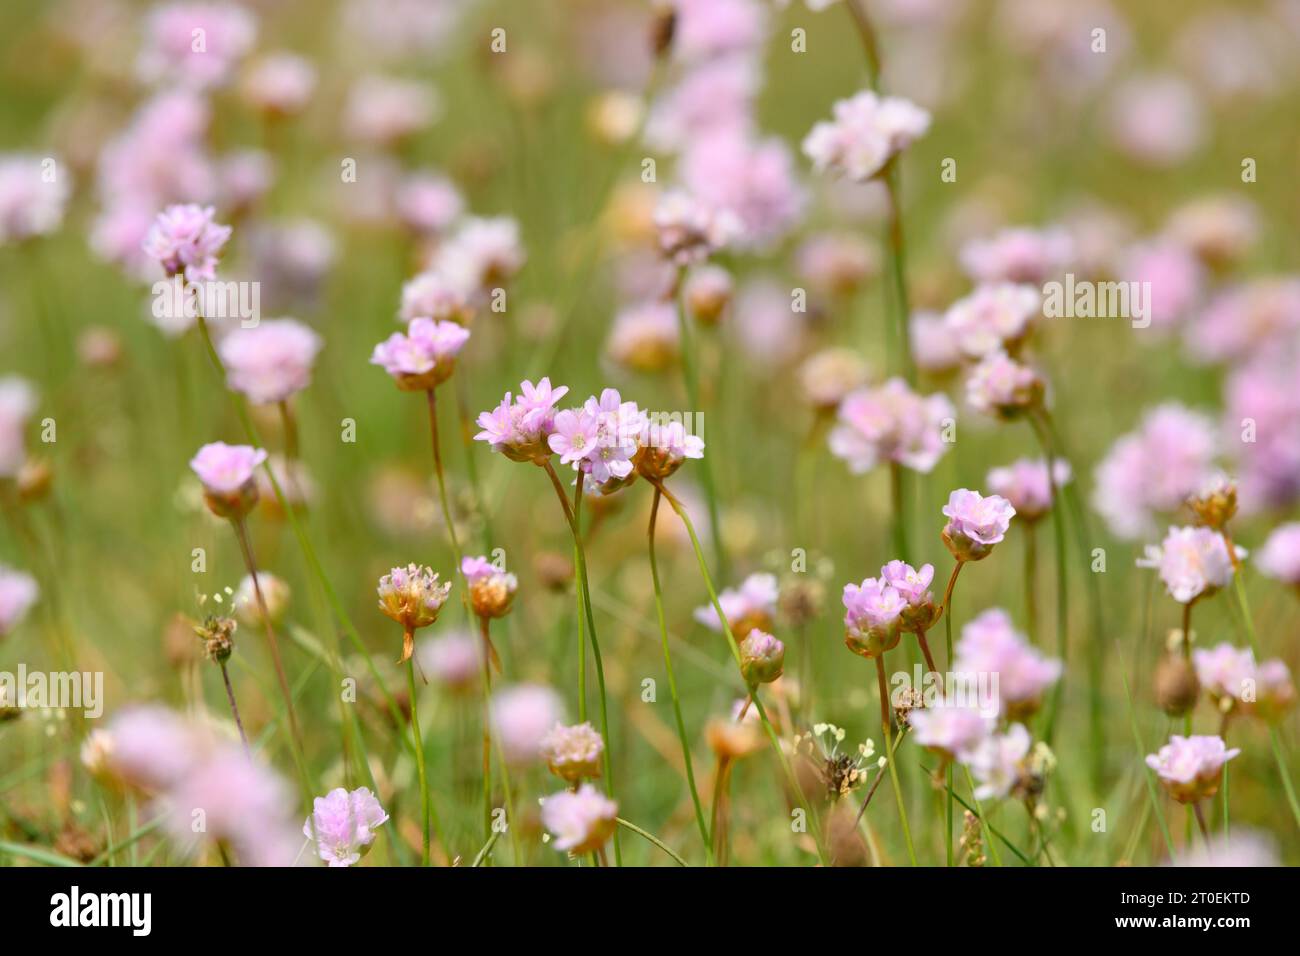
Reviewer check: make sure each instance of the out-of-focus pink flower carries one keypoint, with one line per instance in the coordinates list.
(33, 194)
(997, 762)
(226, 470)
(714, 96)
(17, 403)
(271, 361)
(519, 428)
(706, 292)
(995, 316)
(195, 44)
(751, 605)
(150, 748)
(451, 659)
(765, 324)
(383, 111)
(836, 263)
(1192, 562)
(18, 592)
(690, 229)
(424, 357)
(1157, 120)
(243, 178)
(891, 423)
(1247, 320)
(522, 715)
(975, 523)
(1219, 230)
(429, 294)
(829, 376)
(645, 337)
(187, 239)
(872, 617)
(1191, 767)
(1262, 425)
(1175, 275)
(1154, 469)
(752, 181)
(867, 131)
(706, 29)
(482, 255)
(1002, 386)
(934, 347)
(1021, 255)
(1026, 484)
(952, 732)
(1280, 556)
(428, 203)
(342, 824)
(1244, 848)
(280, 83)
(1225, 671)
(580, 821)
(991, 645)
(573, 753)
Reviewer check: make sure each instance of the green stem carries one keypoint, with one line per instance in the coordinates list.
(947, 629)
(419, 762)
(886, 721)
(652, 839)
(1146, 771)
(487, 726)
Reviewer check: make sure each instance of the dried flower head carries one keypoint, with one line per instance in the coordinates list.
(412, 596)
(573, 753)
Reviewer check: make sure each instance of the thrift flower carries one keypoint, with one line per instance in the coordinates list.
(1018, 255)
(270, 362)
(520, 429)
(762, 657)
(866, 132)
(997, 762)
(1191, 768)
(522, 716)
(579, 821)
(32, 200)
(752, 605)
(1280, 556)
(951, 732)
(187, 240)
(975, 523)
(343, 824)
(453, 660)
(829, 376)
(170, 54)
(1026, 485)
(991, 645)
(412, 596)
(491, 591)
(1192, 562)
(430, 295)
(482, 255)
(689, 230)
(1227, 673)
(663, 448)
(1001, 385)
(227, 474)
(424, 357)
(573, 753)
(994, 317)
(913, 586)
(17, 403)
(872, 617)
(891, 423)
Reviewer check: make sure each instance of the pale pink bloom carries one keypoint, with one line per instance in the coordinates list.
(1157, 119)
(750, 180)
(1025, 483)
(482, 255)
(1154, 469)
(912, 584)
(280, 83)
(1247, 320)
(1244, 848)
(1262, 395)
(1057, 34)
(1001, 385)
(997, 762)
(645, 336)
(690, 229)
(1225, 671)
(226, 469)
(573, 752)
(580, 821)
(1280, 556)
(891, 423)
(424, 356)
(1191, 767)
(17, 403)
(271, 361)
(32, 196)
(574, 437)
(383, 111)
(670, 440)
(522, 715)
(1237, 54)
(452, 659)
(715, 95)
(975, 522)
(765, 324)
(836, 263)
(151, 748)
(519, 428)
(995, 316)
(243, 178)
(954, 732)
(18, 592)
(762, 657)
(1020, 255)
(429, 294)
(1175, 275)
(343, 824)
(754, 600)
(990, 644)
(706, 29)
(867, 131)
(872, 613)
(187, 239)
(428, 203)
(619, 426)
(934, 347)
(829, 376)
(195, 44)
(1218, 229)
(707, 291)
(1192, 562)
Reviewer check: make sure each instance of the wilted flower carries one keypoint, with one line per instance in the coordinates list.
(424, 357)
(762, 657)
(1193, 562)
(891, 423)
(752, 605)
(1026, 484)
(581, 821)
(872, 617)
(226, 472)
(187, 239)
(1191, 768)
(975, 523)
(343, 824)
(1215, 502)
(867, 131)
(18, 592)
(271, 361)
(412, 596)
(573, 753)
(491, 591)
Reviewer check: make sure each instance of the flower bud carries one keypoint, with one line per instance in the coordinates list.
(1176, 686)
(1215, 503)
(762, 658)
(707, 293)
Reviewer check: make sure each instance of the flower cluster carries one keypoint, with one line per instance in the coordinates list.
(975, 523)
(891, 423)
(752, 605)
(867, 131)
(991, 645)
(1191, 768)
(1192, 562)
(425, 356)
(342, 825)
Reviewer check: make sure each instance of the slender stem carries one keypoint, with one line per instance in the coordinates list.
(947, 627)
(1062, 577)
(486, 851)
(1187, 656)
(899, 510)
(290, 431)
(672, 680)
(442, 486)
(885, 721)
(721, 782)
(419, 761)
(644, 834)
(880, 775)
(487, 725)
(234, 708)
(1141, 749)
(925, 652)
(1031, 580)
(1200, 821)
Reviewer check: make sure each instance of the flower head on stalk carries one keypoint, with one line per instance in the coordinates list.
(600, 438)
(873, 617)
(186, 240)
(342, 825)
(975, 523)
(762, 658)
(573, 753)
(707, 292)
(579, 821)
(1280, 556)
(891, 423)
(991, 645)
(752, 605)
(950, 731)
(1003, 387)
(1191, 768)
(913, 585)
(866, 132)
(994, 317)
(521, 426)
(1192, 562)
(31, 203)
(691, 230)
(228, 476)
(1215, 503)
(998, 762)
(842, 773)
(664, 447)
(830, 376)
(522, 715)
(431, 295)
(424, 357)
(491, 590)
(1027, 484)
(412, 596)
(270, 362)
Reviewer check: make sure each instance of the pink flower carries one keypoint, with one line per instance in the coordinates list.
(714, 96)
(890, 422)
(270, 362)
(413, 597)
(428, 203)
(1246, 321)
(522, 715)
(384, 111)
(17, 403)
(1225, 671)
(280, 83)
(1018, 255)
(913, 586)
(424, 357)
(482, 255)
(342, 824)
(150, 748)
(997, 762)
(991, 645)
(762, 657)
(579, 821)
(1193, 562)
(993, 317)
(872, 617)
(934, 347)
(751, 180)
(1002, 386)
(837, 263)
(751, 605)
(574, 437)
(1157, 120)
(226, 470)
(32, 196)
(491, 590)
(975, 523)
(1175, 275)
(18, 592)
(452, 659)
(1219, 230)
(1243, 848)
(1025, 483)
(520, 429)
(573, 752)
(1262, 393)
(953, 732)
(195, 44)
(1154, 469)
(187, 239)
(866, 133)
(690, 229)
(1280, 556)
(1191, 767)
(664, 447)
(430, 295)
(644, 337)
(829, 376)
